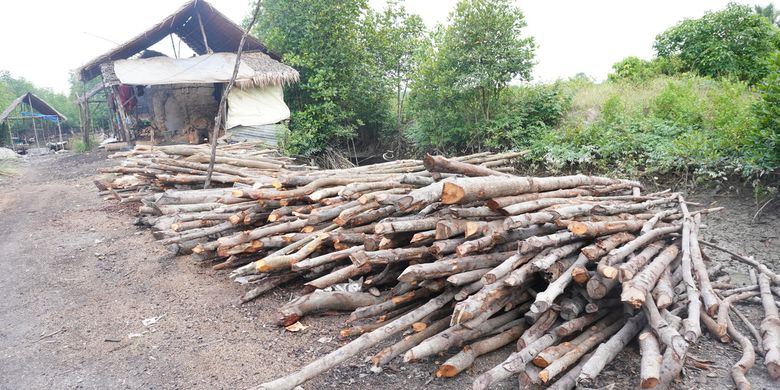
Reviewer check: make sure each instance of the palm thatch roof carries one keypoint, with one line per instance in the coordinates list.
(37, 104)
(257, 70)
(221, 33)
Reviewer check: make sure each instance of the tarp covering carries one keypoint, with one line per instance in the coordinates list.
(256, 106)
(209, 68)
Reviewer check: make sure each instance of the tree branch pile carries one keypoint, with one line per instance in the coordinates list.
(459, 257)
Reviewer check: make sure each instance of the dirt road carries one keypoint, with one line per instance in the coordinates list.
(77, 279)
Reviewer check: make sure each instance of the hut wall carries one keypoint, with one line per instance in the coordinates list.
(181, 112)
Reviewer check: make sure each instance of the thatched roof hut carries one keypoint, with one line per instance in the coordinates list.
(190, 83)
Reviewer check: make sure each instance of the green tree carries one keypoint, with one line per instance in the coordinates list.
(395, 38)
(341, 90)
(732, 42)
(768, 11)
(466, 66)
(767, 141)
(485, 47)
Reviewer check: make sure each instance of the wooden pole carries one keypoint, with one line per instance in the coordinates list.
(223, 99)
(122, 114)
(85, 117)
(35, 129)
(203, 33)
(59, 128)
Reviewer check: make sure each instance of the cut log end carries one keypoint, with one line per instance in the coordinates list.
(578, 228)
(452, 193)
(419, 326)
(446, 371)
(649, 383)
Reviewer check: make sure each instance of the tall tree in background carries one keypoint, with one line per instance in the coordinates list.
(768, 11)
(485, 47)
(394, 38)
(341, 90)
(467, 66)
(733, 42)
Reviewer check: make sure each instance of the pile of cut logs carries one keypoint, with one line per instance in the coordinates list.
(456, 255)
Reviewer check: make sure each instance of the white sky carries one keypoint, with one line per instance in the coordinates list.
(43, 40)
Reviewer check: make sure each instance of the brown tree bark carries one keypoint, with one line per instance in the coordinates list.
(770, 328)
(323, 301)
(465, 359)
(607, 351)
(465, 190)
(636, 289)
(361, 343)
(650, 364)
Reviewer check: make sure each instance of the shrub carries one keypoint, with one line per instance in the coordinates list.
(526, 112)
(728, 43)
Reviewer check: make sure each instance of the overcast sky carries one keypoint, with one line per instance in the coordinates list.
(43, 40)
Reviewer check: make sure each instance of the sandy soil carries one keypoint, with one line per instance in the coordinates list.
(77, 279)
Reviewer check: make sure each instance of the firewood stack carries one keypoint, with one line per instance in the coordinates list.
(465, 258)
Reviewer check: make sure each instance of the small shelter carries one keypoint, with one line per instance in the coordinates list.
(44, 120)
(177, 98)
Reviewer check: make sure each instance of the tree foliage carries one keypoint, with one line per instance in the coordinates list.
(768, 112)
(466, 67)
(394, 38)
(341, 90)
(732, 42)
(768, 11)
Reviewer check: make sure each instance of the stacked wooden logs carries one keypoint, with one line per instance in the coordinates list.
(146, 170)
(462, 257)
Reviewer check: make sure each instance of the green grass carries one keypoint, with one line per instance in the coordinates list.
(76, 144)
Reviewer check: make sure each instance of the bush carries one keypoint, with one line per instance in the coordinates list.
(525, 113)
(662, 125)
(728, 43)
(764, 147)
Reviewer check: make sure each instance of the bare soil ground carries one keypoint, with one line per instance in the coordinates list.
(77, 279)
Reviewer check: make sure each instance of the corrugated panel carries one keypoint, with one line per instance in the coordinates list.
(265, 133)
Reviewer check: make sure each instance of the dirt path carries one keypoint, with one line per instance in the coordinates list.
(77, 279)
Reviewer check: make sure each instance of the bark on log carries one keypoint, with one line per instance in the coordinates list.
(443, 268)
(465, 359)
(725, 305)
(603, 245)
(636, 289)
(745, 363)
(457, 335)
(388, 256)
(378, 308)
(770, 328)
(467, 277)
(444, 165)
(650, 364)
(499, 202)
(467, 190)
(325, 259)
(663, 293)
(707, 293)
(363, 342)
(667, 334)
(267, 284)
(323, 301)
(337, 276)
(386, 355)
(607, 351)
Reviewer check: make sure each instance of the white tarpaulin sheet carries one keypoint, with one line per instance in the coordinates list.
(209, 68)
(256, 106)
